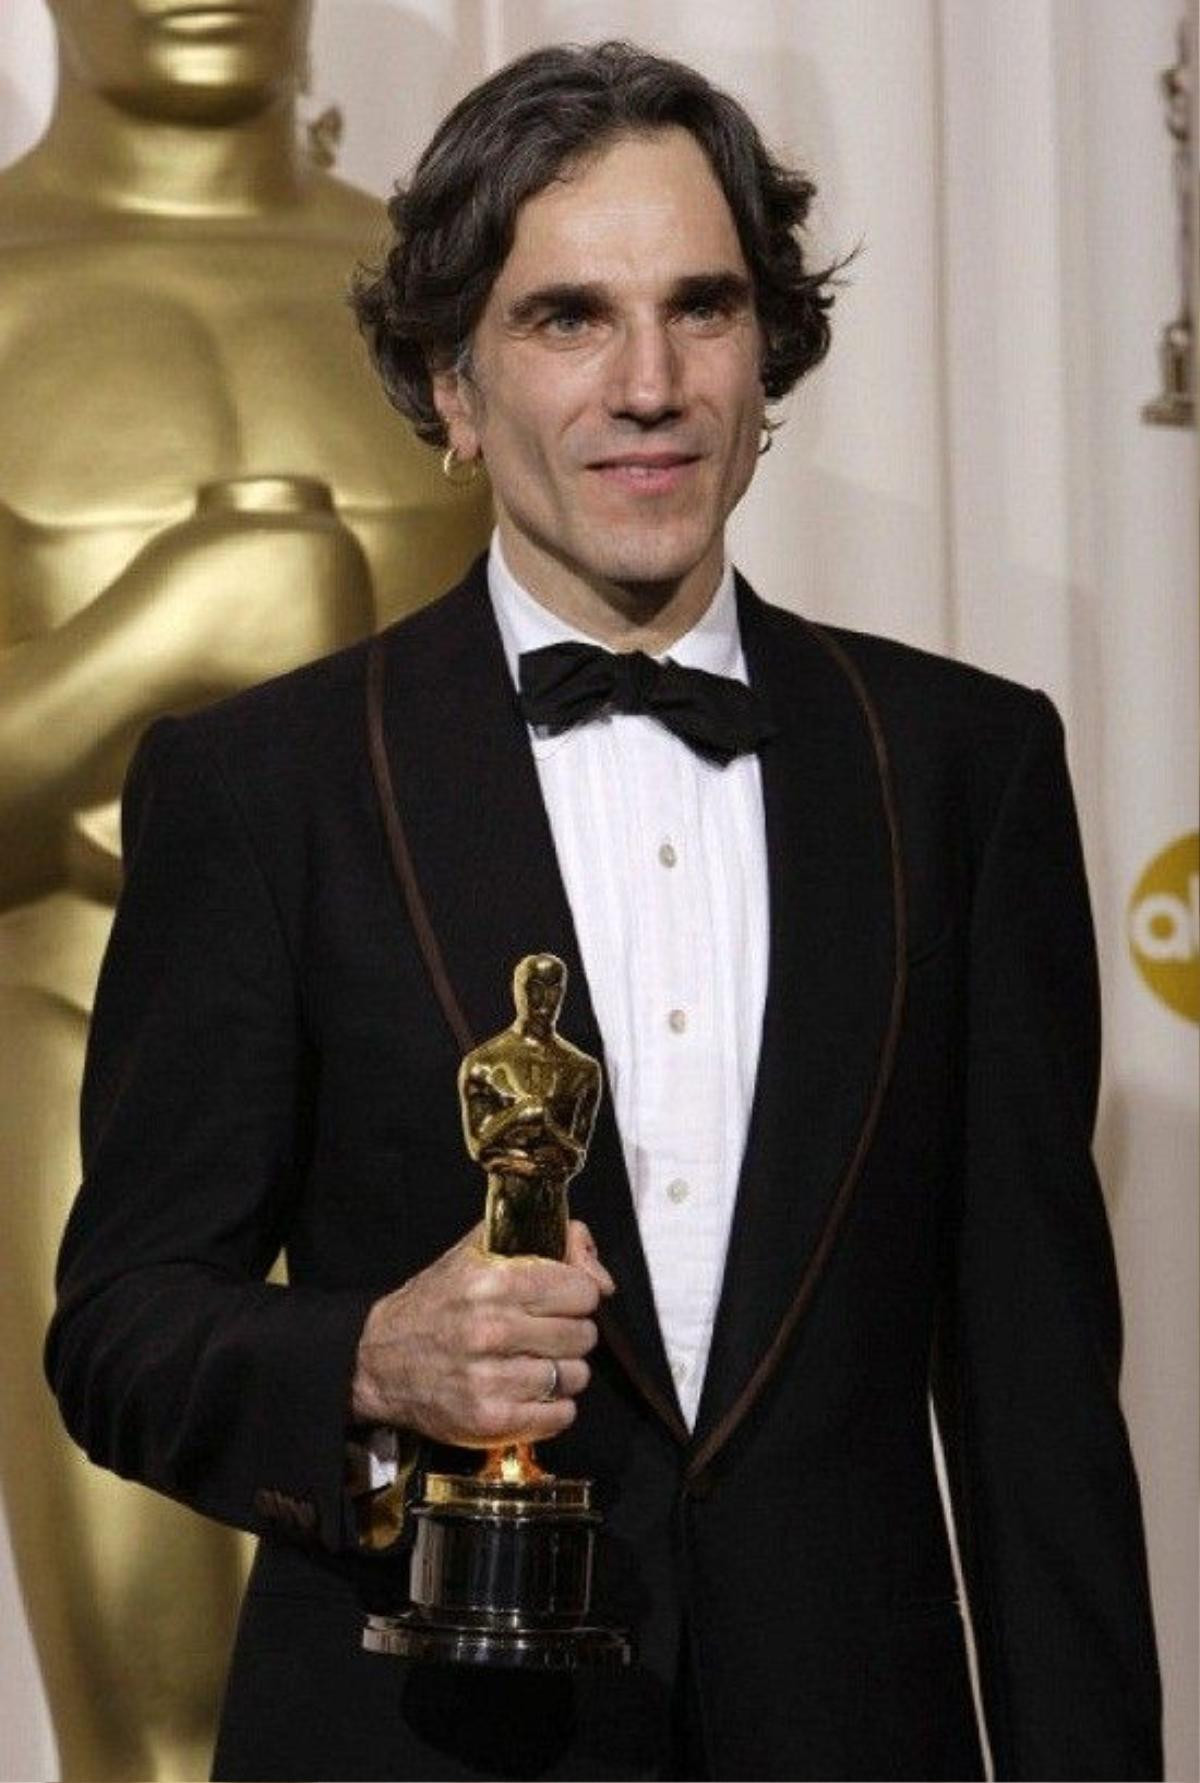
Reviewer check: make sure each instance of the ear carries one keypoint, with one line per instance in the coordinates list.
(457, 402)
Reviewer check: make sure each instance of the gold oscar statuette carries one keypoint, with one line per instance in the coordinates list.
(502, 1560)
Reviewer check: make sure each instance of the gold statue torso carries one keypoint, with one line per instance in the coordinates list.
(192, 437)
(146, 357)
(529, 1101)
(143, 357)
(528, 1108)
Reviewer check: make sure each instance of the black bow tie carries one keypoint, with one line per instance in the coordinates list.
(563, 684)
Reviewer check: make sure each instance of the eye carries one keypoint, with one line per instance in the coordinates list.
(706, 314)
(566, 324)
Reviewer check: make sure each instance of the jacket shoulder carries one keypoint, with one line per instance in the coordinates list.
(942, 691)
(953, 739)
(957, 691)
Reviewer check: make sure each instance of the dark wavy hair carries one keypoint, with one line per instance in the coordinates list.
(508, 140)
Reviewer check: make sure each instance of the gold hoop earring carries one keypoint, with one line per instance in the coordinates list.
(460, 473)
(769, 427)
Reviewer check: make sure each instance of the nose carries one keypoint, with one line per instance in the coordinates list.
(645, 383)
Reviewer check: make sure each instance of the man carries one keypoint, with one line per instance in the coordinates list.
(822, 908)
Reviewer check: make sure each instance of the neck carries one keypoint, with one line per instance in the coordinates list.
(98, 151)
(623, 616)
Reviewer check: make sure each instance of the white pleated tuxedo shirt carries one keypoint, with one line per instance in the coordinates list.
(663, 856)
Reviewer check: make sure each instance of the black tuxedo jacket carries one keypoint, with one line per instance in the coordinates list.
(303, 949)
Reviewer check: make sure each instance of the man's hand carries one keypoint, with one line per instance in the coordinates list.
(460, 1353)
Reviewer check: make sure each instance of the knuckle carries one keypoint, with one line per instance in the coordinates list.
(485, 1333)
(479, 1282)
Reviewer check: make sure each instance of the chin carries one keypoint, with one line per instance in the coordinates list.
(652, 561)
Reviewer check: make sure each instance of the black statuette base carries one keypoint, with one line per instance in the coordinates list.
(489, 1641)
(501, 1575)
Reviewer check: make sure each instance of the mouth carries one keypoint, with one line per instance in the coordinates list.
(646, 473)
(200, 20)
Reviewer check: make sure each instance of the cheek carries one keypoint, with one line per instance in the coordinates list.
(751, 410)
(522, 437)
(736, 393)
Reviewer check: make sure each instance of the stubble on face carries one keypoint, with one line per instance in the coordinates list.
(615, 390)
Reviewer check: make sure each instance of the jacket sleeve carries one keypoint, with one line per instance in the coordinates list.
(175, 1362)
(1043, 1486)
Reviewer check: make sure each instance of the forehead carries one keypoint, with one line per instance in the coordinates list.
(644, 209)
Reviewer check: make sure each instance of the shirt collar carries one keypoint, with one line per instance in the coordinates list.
(713, 643)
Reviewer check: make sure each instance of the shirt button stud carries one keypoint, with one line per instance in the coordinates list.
(667, 854)
(678, 1190)
(677, 1021)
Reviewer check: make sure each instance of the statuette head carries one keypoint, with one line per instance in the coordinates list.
(539, 985)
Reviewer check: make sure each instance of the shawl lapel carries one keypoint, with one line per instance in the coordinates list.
(833, 1006)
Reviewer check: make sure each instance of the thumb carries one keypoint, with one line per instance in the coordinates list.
(582, 1252)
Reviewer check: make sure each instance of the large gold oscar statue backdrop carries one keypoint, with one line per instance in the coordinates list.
(200, 486)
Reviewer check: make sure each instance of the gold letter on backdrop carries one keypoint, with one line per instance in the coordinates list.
(200, 486)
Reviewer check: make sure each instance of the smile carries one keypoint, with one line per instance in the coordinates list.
(659, 475)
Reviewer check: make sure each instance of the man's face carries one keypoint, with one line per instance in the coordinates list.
(614, 389)
(185, 59)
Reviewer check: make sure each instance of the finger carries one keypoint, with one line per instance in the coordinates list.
(540, 1422)
(530, 1420)
(582, 1252)
(551, 1288)
(557, 1338)
(568, 1379)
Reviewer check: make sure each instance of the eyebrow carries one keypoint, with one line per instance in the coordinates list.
(723, 289)
(588, 299)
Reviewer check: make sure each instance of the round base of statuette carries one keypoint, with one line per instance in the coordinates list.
(411, 1636)
(501, 1576)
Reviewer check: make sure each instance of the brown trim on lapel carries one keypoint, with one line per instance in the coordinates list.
(401, 855)
(715, 1438)
(621, 1348)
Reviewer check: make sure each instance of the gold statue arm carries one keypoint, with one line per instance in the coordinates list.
(524, 1117)
(584, 1118)
(565, 1140)
(502, 1126)
(217, 602)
